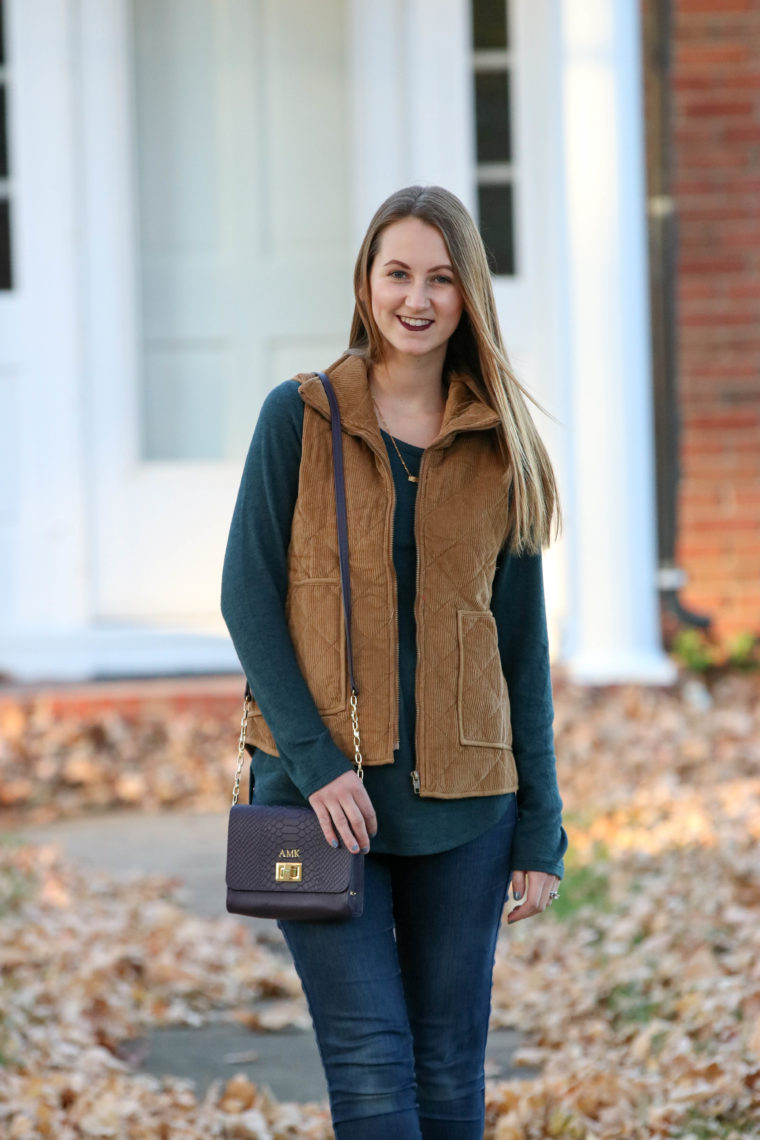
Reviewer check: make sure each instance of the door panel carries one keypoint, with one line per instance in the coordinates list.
(243, 269)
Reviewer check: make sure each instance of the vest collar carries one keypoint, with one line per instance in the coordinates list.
(465, 409)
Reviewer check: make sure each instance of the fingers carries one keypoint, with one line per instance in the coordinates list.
(344, 810)
(325, 820)
(539, 884)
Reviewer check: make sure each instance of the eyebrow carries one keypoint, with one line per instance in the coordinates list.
(395, 261)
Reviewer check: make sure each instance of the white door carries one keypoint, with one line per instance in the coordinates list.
(220, 264)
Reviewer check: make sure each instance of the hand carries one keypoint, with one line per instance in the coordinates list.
(344, 806)
(537, 898)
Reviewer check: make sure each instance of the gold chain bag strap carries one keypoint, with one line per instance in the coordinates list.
(279, 864)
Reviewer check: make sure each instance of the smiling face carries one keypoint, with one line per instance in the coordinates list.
(416, 303)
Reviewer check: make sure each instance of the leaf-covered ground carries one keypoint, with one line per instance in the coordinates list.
(639, 990)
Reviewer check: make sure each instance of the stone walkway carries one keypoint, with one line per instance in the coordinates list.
(191, 847)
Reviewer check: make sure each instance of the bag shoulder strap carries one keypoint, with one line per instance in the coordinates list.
(339, 480)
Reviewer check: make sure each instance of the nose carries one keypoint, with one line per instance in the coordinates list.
(417, 296)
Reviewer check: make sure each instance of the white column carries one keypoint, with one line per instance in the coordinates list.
(614, 633)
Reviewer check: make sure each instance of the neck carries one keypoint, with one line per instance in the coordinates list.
(412, 384)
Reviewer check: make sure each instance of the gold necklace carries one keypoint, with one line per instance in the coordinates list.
(412, 478)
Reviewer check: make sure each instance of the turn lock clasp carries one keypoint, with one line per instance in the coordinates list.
(288, 872)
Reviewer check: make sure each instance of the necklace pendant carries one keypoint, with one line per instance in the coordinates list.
(413, 479)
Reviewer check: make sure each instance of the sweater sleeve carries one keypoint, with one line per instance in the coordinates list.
(519, 608)
(254, 587)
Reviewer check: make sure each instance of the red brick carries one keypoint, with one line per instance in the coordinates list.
(733, 525)
(709, 27)
(720, 210)
(696, 395)
(713, 222)
(746, 540)
(696, 140)
(743, 289)
(743, 133)
(685, 8)
(699, 288)
(698, 547)
(702, 442)
(685, 188)
(745, 237)
(746, 442)
(701, 570)
(739, 467)
(701, 500)
(702, 317)
(682, 84)
(726, 420)
(743, 81)
(716, 338)
(710, 55)
(715, 156)
(748, 497)
(732, 369)
(698, 484)
(709, 108)
(716, 263)
(715, 310)
(712, 374)
(710, 461)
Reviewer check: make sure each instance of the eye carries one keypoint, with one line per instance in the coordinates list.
(397, 274)
(442, 279)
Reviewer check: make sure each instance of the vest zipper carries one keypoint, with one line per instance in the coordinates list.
(397, 745)
(395, 608)
(415, 774)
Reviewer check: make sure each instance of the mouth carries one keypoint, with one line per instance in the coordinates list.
(414, 324)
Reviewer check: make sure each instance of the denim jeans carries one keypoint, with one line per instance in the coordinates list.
(400, 998)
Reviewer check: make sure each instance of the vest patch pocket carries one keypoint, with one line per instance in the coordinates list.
(315, 619)
(482, 697)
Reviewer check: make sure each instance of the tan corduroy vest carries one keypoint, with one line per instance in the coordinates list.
(463, 731)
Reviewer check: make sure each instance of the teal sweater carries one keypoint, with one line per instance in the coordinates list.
(254, 585)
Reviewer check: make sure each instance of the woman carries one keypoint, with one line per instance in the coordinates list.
(450, 497)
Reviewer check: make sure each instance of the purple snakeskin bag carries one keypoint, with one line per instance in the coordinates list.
(279, 865)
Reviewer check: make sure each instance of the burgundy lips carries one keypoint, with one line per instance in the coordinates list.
(415, 328)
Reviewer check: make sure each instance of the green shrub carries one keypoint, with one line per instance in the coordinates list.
(698, 653)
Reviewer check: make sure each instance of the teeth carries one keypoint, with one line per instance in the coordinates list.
(416, 322)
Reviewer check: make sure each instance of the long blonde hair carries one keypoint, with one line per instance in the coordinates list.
(476, 347)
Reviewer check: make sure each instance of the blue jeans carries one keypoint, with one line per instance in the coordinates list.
(400, 998)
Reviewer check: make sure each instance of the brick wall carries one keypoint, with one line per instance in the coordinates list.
(716, 122)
